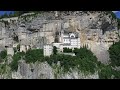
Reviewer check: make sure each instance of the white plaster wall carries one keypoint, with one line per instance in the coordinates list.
(22, 48)
(10, 51)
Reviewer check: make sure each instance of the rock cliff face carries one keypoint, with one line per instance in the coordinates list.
(43, 71)
(97, 29)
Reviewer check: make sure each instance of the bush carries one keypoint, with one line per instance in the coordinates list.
(87, 66)
(3, 54)
(85, 53)
(66, 61)
(34, 55)
(114, 52)
(16, 58)
(105, 72)
(67, 50)
(84, 61)
(55, 50)
(29, 56)
(14, 66)
(116, 74)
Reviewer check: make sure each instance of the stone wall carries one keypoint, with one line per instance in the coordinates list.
(10, 51)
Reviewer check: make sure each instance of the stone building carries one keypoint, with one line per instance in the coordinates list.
(24, 45)
(69, 40)
(48, 50)
(22, 48)
(10, 51)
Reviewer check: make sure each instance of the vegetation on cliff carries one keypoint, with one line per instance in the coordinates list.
(54, 50)
(67, 50)
(114, 51)
(34, 55)
(16, 57)
(3, 54)
(114, 17)
(84, 61)
(108, 71)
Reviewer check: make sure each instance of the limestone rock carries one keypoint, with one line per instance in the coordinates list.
(97, 30)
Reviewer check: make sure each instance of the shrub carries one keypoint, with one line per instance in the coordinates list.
(114, 52)
(105, 72)
(34, 55)
(55, 50)
(3, 54)
(16, 58)
(84, 61)
(85, 53)
(67, 50)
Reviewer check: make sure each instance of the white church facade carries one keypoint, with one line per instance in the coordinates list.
(69, 40)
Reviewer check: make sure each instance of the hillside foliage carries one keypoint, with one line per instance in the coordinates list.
(114, 52)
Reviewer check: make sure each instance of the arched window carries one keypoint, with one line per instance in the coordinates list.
(72, 35)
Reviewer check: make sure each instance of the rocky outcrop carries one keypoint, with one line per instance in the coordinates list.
(97, 30)
(45, 71)
(33, 71)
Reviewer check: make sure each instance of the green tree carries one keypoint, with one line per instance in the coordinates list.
(55, 50)
(34, 55)
(16, 57)
(114, 52)
(85, 53)
(3, 54)
(116, 74)
(105, 72)
(67, 50)
(85, 63)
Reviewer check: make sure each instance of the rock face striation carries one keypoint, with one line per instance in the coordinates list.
(45, 71)
(97, 30)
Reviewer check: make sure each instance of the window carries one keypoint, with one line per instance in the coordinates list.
(72, 35)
